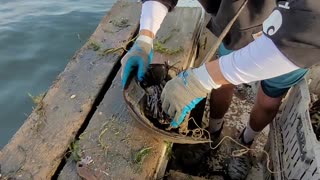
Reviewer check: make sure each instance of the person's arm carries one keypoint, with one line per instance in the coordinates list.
(141, 53)
(259, 60)
(152, 15)
(289, 42)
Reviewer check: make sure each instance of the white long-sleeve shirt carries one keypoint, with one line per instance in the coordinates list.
(259, 60)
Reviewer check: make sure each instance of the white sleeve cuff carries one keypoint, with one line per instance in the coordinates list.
(259, 60)
(145, 39)
(152, 15)
(204, 78)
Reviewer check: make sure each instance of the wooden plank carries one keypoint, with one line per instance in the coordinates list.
(37, 148)
(180, 29)
(113, 139)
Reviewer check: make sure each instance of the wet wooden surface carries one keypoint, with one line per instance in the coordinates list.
(180, 29)
(113, 139)
(37, 148)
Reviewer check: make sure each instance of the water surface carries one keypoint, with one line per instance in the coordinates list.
(37, 38)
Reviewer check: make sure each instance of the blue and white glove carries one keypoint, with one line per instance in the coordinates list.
(181, 94)
(139, 56)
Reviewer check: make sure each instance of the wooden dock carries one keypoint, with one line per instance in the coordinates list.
(83, 115)
(81, 129)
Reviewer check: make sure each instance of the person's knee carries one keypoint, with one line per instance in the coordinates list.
(269, 106)
(267, 103)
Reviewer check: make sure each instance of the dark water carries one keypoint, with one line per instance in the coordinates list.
(37, 38)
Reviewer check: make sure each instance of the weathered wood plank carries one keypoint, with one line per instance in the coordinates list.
(112, 142)
(180, 30)
(37, 148)
(113, 139)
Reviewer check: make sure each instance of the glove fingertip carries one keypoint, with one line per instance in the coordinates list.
(174, 124)
(140, 78)
(141, 73)
(126, 71)
(175, 121)
(179, 118)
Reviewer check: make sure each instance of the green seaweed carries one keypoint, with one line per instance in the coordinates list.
(166, 38)
(160, 47)
(94, 45)
(39, 109)
(169, 152)
(113, 50)
(100, 140)
(121, 23)
(75, 151)
(37, 99)
(141, 155)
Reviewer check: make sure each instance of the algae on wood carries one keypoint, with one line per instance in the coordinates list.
(94, 45)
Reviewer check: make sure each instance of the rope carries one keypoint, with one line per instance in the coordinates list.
(199, 132)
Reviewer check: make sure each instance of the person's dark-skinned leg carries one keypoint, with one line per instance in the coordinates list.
(220, 101)
(263, 112)
(267, 103)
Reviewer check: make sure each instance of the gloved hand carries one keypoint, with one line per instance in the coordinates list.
(139, 56)
(181, 94)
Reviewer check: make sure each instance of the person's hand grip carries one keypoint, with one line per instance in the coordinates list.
(138, 57)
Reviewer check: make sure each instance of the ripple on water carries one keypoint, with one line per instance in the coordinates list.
(37, 38)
